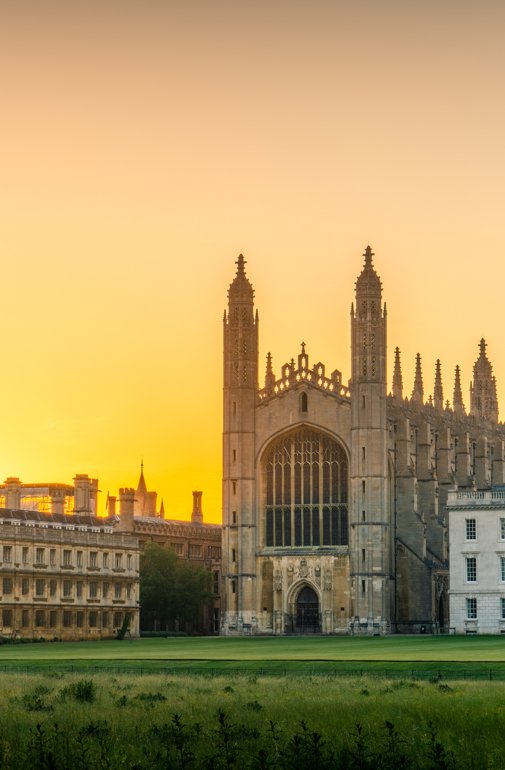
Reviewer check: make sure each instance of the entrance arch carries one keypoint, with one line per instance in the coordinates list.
(307, 612)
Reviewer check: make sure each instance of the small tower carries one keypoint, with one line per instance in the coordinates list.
(397, 376)
(418, 390)
(438, 392)
(457, 398)
(369, 515)
(197, 513)
(126, 505)
(483, 400)
(240, 393)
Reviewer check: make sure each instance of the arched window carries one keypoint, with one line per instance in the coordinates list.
(303, 402)
(306, 491)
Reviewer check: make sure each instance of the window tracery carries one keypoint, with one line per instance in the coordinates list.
(306, 491)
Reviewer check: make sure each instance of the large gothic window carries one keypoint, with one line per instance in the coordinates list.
(306, 491)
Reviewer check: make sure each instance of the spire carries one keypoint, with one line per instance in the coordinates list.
(418, 391)
(162, 509)
(483, 400)
(457, 399)
(368, 284)
(241, 288)
(438, 392)
(141, 486)
(397, 376)
(269, 376)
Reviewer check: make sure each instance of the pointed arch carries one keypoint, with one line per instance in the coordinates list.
(305, 477)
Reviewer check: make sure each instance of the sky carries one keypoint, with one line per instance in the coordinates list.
(144, 145)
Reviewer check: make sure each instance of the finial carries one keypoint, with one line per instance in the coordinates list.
(240, 263)
(269, 376)
(438, 393)
(418, 391)
(457, 399)
(397, 376)
(368, 254)
(482, 346)
(303, 348)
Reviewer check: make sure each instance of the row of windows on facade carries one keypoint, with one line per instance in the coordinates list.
(67, 558)
(68, 588)
(307, 527)
(471, 529)
(67, 618)
(471, 569)
(471, 608)
(195, 550)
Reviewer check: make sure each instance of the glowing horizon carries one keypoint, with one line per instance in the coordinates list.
(144, 148)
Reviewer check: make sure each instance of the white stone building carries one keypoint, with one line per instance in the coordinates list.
(477, 561)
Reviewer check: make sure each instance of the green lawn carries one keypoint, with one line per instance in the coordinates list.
(265, 652)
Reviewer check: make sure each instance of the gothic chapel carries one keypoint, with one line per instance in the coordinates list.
(334, 495)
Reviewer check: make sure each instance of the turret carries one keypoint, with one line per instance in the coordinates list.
(197, 514)
(483, 400)
(240, 394)
(370, 528)
(126, 503)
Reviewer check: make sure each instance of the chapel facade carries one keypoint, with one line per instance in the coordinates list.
(334, 494)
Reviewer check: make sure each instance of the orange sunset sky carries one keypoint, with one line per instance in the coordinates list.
(143, 145)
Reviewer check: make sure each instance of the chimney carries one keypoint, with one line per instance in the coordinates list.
(13, 493)
(126, 502)
(197, 515)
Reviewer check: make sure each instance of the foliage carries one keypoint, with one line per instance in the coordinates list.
(83, 691)
(171, 590)
(291, 723)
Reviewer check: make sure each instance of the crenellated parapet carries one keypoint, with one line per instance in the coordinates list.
(294, 373)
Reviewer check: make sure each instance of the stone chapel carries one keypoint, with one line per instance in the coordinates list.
(334, 495)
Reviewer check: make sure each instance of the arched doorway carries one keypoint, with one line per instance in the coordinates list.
(307, 612)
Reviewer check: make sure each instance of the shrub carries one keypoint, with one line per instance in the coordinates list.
(83, 691)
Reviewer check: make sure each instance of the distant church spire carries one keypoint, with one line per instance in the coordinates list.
(438, 393)
(483, 400)
(418, 391)
(457, 399)
(397, 376)
(141, 486)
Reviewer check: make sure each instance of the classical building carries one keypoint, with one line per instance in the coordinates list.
(334, 494)
(477, 564)
(66, 576)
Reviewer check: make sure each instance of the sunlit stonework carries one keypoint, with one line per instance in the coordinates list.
(334, 495)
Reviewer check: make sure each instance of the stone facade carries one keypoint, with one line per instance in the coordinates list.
(334, 494)
(66, 577)
(477, 566)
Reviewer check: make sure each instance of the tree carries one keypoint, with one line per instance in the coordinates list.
(172, 591)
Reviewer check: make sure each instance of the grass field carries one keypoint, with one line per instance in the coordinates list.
(448, 656)
(215, 703)
(129, 722)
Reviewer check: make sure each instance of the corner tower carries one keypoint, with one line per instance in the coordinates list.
(239, 401)
(370, 524)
